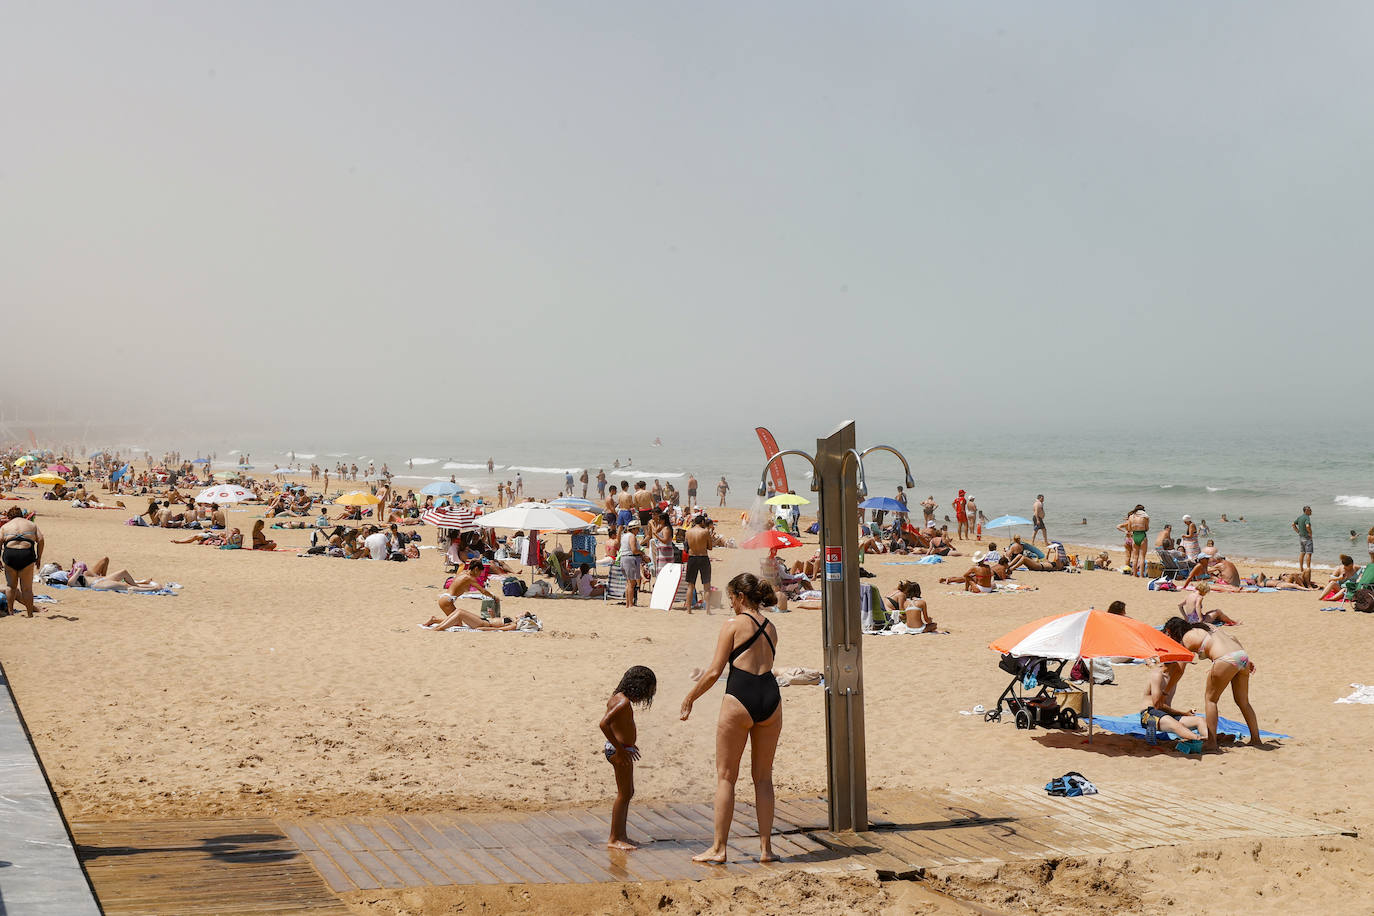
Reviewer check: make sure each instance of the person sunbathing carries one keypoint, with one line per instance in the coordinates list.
(1052, 563)
(455, 616)
(906, 601)
(214, 539)
(121, 581)
(260, 541)
(1223, 570)
(1191, 608)
(977, 579)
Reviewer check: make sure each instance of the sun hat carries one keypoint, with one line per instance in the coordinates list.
(1187, 518)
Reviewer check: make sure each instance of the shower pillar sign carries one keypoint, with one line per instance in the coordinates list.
(834, 564)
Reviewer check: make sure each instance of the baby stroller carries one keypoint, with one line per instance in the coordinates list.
(1032, 694)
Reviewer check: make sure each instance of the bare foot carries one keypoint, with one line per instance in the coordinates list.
(710, 857)
(620, 844)
(1255, 743)
(767, 857)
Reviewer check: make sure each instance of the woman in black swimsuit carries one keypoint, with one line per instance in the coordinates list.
(21, 550)
(750, 711)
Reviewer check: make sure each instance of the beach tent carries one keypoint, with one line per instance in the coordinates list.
(1090, 634)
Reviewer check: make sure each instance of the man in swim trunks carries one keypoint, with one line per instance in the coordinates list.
(691, 490)
(1303, 526)
(1038, 519)
(625, 504)
(700, 539)
(644, 502)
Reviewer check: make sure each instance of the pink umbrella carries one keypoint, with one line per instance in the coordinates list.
(59, 469)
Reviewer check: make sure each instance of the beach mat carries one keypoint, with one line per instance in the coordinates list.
(165, 590)
(1131, 727)
(924, 561)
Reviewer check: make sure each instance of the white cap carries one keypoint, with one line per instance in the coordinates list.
(1187, 518)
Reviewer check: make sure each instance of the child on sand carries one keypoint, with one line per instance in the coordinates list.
(618, 725)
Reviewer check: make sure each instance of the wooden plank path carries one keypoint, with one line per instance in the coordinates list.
(298, 865)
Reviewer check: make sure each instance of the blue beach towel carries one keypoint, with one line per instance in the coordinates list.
(162, 591)
(924, 561)
(1130, 725)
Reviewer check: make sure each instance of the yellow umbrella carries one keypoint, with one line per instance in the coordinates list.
(51, 480)
(788, 499)
(357, 498)
(24, 460)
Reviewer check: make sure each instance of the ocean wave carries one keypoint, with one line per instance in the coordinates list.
(1166, 486)
(424, 461)
(1216, 489)
(234, 452)
(534, 470)
(1355, 502)
(463, 466)
(337, 454)
(645, 475)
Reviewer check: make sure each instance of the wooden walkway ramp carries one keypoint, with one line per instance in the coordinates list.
(258, 865)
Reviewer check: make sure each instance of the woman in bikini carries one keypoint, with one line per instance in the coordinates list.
(472, 578)
(1137, 528)
(906, 601)
(260, 541)
(750, 711)
(1230, 665)
(21, 552)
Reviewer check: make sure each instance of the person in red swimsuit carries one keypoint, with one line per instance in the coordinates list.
(961, 515)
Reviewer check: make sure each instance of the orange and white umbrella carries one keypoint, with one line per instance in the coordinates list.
(1090, 634)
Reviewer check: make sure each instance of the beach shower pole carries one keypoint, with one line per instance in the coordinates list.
(841, 623)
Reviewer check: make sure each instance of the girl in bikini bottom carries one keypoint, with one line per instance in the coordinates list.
(1240, 659)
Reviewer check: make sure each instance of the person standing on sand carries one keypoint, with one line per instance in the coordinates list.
(1230, 665)
(750, 711)
(700, 539)
(971, 510)
(519, 485)
(643, 503)
(692, 496)
(961, 516)
(1302, 525)
(1137, 529)
(585, 479)
(722, 488)
(21, 552)
(600, 484)
(1038, 520)
(625, 505)
(928, 506)
(491, 467)
(637, 687)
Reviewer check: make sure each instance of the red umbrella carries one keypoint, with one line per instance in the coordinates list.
(771, 540)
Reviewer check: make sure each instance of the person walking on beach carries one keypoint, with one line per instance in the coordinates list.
(584, 479)
(1038, 520)
(960, 516)
(750, 711)
(1303, 526)
(21, 552)
(722, 488)
(700, 539)
(1137, 529)
(636, 688)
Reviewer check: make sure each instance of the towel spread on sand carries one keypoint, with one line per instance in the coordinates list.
(1130, 725)
(1363, 694)
(165, 590)
(901, 629)
(924, 561)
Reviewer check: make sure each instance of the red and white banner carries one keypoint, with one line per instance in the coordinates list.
(775, 469)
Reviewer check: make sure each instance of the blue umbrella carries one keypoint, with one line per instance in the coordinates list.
(442, 488)
(883, 504)
(201, 461)
(1006, 521)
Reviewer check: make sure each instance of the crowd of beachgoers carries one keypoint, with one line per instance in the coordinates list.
(624, 537)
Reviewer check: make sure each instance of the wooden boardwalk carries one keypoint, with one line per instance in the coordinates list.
(298, 865)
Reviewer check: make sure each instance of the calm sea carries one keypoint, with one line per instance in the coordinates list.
(1262, 478)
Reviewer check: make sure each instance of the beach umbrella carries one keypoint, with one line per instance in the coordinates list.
(787, 499)
(460, 518)
(772, 540)
(224, 493)
(23, 460)
(227, 475)
(591, 518)
(883, 504)
(282, 471)
(59, 469)
(121, 472)
(1006, 521)
(538, 516)
(357, 498)
(441, 488)
(50, 480)
(1090, 634)
(574, 502)
(201, 461)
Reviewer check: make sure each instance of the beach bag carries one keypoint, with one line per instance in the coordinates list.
(539, 589)
(1070, 785)
(529, 624)
(512, 587)
(1363, 601)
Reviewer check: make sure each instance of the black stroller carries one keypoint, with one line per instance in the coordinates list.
(1037, 704)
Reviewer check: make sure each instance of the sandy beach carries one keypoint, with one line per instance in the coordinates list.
(277, 685)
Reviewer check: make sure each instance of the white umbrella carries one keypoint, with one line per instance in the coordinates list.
(225, 493)
(538, 516)
(575, 502)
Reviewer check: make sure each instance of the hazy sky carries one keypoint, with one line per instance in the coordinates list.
(296, 215)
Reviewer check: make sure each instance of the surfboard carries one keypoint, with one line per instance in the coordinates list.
(669, 588)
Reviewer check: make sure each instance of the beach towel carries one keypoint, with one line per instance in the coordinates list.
(901, 629)
(1131, 727)
(798, 677)
(1363, 694)
(475, 629)
(169, 589)
(924, 561)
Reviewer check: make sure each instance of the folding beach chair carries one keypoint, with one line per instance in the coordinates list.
(615, 584)
(1174, 567)
(1360, 590)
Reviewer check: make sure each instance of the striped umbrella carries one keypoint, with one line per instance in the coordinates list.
(458, 517)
